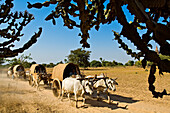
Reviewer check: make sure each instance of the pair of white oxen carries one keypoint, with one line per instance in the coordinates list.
(78, 86)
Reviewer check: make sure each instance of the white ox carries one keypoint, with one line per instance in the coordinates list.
(37, 78)
(9, 73)
(102, 84)
(36, 81)
(77, 87)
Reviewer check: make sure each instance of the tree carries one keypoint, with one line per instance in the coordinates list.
(21, 60)
(33, 62)
(114, 63)
(164, 57)
(65, 60)
(12, 25)
(79, 57)
(149, 63)
(120, 64)
(61, 62)
(151, 16)
(129, 63)
(138, 63)
(102, 61)
(27, 64)
(44, 64)
(108, 64)
(1, 61)
(50, 65)
(95, 63)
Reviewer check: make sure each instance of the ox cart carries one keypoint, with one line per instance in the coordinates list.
(38, 72)
(60, 72)
(16, 71)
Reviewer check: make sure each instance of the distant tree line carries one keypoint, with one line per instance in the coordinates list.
(79, 56)
(23, 59)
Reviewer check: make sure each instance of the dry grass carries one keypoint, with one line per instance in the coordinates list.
(132, 91)
(133, 81)
(132, 77)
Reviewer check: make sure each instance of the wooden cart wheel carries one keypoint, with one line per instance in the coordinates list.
(56, 88)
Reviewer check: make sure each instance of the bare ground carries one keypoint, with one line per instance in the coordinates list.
(132, 95)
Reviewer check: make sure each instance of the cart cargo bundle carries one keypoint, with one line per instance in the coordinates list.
(60, 72)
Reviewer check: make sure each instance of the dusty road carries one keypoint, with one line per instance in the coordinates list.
(16, 96)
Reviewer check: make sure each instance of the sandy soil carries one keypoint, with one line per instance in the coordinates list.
(132, 96)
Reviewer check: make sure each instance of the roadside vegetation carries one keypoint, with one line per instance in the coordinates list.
(79, 56)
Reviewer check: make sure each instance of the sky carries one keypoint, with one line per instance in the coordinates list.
(56, 41)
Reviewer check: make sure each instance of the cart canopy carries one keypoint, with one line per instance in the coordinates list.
(11, 68)
(18, 68)
(37, 68)
(62, 71)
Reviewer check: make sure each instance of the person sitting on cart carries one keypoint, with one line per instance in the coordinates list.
(38, 70)
(20, 69)
(73, 73)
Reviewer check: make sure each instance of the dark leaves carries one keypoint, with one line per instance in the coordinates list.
(53, 20)
(40, 5)
(50, 16)
(36, 5)
(93, 13)
(97, 27)
(14, 24)
(29, 5)
(144, 62)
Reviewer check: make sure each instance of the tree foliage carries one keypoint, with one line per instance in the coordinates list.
(138, 63)
(129, 63)
(95, 63)
(12, 24)
(1, 61)
(151, 16)
(23, 59)
(103, 63)
(114, 63)
(50, 65)
(79, 57)
(107, 63)
(164, 57)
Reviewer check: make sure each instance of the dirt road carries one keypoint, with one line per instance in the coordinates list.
(16, 96)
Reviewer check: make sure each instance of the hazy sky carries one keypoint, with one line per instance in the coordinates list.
(57, 41)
